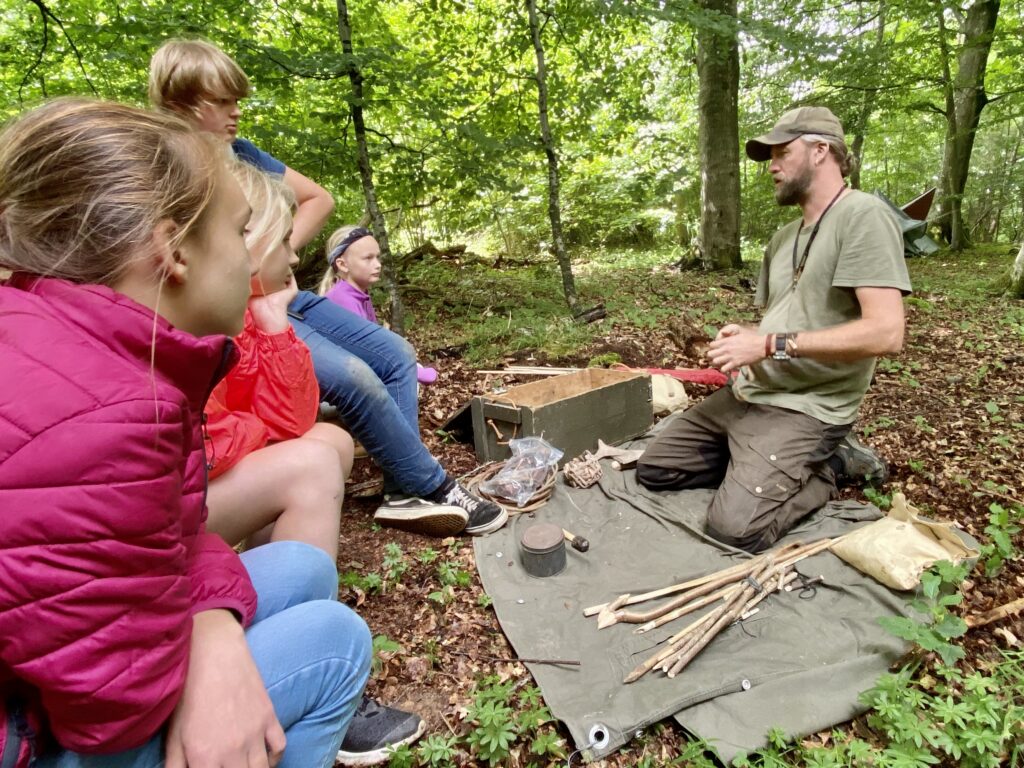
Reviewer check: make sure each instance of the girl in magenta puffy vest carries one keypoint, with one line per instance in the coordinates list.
(129, 635)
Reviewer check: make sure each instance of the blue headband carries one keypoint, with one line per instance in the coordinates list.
(356, 234)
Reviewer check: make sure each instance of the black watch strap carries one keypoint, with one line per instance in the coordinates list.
(780, 347)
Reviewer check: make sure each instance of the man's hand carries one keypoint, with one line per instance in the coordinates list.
(270, 312)
(224, 718)
(736, 346)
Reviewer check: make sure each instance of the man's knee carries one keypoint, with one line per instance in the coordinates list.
(658, 478)
(740, 531)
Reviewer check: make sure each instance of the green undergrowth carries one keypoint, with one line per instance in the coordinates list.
(491, 314)
(519, 311)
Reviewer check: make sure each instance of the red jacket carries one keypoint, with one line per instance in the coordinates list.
(269, 396)
(103, 553)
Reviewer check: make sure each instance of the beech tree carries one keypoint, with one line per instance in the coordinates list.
(718, 67)
(964, 99)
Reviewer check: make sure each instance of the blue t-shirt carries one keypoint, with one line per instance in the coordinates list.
(248, 151)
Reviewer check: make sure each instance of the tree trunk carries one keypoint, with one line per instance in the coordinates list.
(1016, 289)
(718, 68)
(879, 54)
(380, 230)
(554, 208)
(965, 97)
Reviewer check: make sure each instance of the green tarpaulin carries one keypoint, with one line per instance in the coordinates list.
(798, 664)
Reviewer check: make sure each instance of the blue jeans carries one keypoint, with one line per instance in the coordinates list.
(369, 374)
(312, 652)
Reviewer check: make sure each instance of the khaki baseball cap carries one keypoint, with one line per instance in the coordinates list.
(792, 125)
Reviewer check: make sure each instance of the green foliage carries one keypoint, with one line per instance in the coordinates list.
(394, 564)
(427, 556)
(970, 720)
(436, 750)
(881, 500)
(605, 360)
(382, 644)
(450, 576)
(493, 730)
(370, 582)
(1001, 529)
(401, 757)
(939, 592)
(496, 725)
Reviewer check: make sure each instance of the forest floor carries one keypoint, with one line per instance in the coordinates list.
(947, 414)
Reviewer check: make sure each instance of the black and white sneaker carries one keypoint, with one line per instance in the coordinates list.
(484, 516)
(409, 513)
(859, 465)
(376, 729)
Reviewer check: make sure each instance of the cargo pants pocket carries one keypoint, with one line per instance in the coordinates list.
(759, 483)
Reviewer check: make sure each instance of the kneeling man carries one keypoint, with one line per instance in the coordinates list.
(832, 284)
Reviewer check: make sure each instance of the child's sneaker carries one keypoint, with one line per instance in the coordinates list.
(484, 516)
(376, 729)
(409, 513)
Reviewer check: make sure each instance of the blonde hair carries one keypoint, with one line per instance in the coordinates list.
(331, 276)
(83, 185)
(273, 205)
(182, 73)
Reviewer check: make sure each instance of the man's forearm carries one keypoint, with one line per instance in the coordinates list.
(850, 341)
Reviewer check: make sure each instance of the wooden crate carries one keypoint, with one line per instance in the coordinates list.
(570, 411)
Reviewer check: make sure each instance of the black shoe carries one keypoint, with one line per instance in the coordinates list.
(421, 516)
(484, 516)
(858, 465)
(374, 731)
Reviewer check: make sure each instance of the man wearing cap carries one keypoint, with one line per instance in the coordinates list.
(831, 284)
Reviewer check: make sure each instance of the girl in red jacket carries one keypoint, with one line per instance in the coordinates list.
(275, 474)
(129, 635)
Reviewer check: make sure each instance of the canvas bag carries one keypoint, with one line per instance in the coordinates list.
(897, 549)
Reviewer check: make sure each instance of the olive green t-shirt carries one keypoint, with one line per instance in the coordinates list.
(859, 244)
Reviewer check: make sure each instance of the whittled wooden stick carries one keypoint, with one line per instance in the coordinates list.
(686, 637)
(672, 647)
(779, 554)
(737, 606)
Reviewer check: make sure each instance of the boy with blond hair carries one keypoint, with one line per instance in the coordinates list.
(197, 80)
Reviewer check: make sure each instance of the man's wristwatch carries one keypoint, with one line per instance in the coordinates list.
(781, 352)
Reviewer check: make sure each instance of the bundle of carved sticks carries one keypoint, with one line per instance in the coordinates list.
(738, 590)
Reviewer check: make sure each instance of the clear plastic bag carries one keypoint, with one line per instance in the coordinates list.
(533, 462)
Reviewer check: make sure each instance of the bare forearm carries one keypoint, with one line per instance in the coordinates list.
(850, 341)
(309, 219)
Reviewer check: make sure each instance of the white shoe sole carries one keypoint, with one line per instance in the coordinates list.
(377, 756)
(438, 521)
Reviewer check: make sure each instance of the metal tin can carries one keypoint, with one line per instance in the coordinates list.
(542, 550)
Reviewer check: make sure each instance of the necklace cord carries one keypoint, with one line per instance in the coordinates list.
(798, 269)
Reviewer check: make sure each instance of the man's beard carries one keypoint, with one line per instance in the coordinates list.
(794, 191)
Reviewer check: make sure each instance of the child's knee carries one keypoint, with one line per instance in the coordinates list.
(315, 465)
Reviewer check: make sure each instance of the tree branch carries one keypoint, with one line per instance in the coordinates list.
(74, 48)
(39, 56)
(394, 144)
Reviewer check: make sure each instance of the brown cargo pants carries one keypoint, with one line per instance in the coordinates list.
(770, 466)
